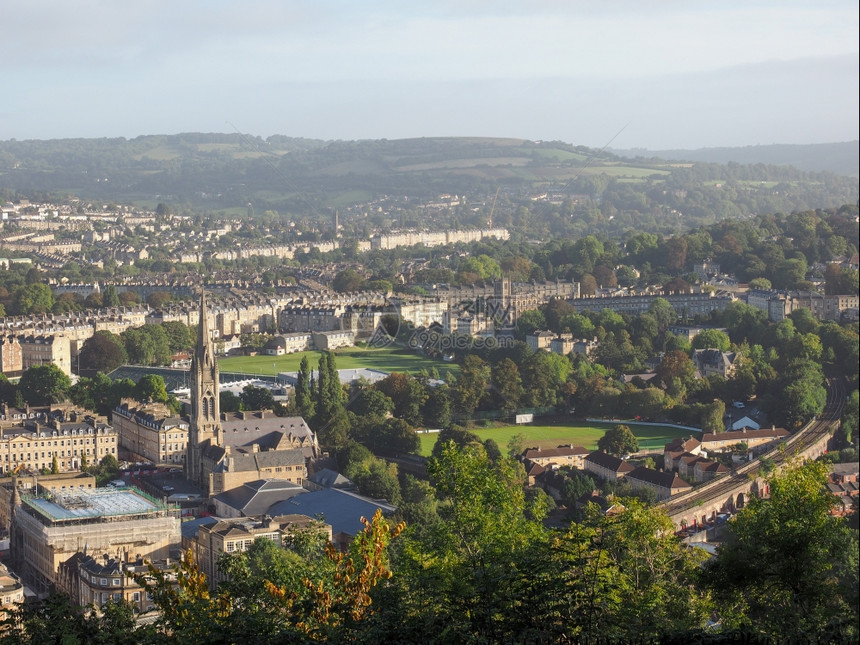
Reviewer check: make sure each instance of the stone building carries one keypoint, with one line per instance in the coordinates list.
(47, 530)
(150, 432)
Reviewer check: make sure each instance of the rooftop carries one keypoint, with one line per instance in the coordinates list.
(91, 504)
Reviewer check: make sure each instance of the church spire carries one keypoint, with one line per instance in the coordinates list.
(205, 423)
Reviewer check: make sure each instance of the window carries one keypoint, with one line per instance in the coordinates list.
(229, 547)
(116, 582)
(136, 596)
(104, 582)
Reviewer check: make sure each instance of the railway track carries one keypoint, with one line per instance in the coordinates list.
(726, 487)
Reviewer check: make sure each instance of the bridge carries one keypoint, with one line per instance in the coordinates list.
(730, 493)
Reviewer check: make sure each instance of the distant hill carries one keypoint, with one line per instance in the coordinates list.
(570, 189)
(840, 158)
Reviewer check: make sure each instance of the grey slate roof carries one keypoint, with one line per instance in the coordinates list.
(341, 509)
(664, 479)
(255, 498)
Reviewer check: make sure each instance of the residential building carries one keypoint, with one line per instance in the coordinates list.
(540, 340)
(723, 441)
(678, 447)
(95, 580)
(715, 362)
(11, 592)
(606, 466)
(150, 432)
(34, 445)
(234, 535)
(664, 484)
(568, 455)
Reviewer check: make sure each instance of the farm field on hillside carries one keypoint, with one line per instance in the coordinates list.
(550, 436)
(386, 359)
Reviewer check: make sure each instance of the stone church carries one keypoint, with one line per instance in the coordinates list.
(228, 450)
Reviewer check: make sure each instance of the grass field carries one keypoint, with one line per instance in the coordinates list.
(386, 359)
(550, 436)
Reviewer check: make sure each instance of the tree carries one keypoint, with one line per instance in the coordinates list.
(481, 544)
(711, 339)
(102, 352)
(777, 575)
(179, 336)
(56, 619)
(347, 280)
(147, 345)
(257, 398)
(618, 441)
(229, 402)
(712, 417)
(304, 397)
(157, 299)
(372, 403)
(507, 385)
(44, 384)
(34, 299)
(407, 393)
(528, 322)
(110, 298)
(151, 387)
(471, 385)
(676, 365)
(663, 312)
(55, 466)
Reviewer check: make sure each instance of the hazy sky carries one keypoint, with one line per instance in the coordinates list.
(678, 74)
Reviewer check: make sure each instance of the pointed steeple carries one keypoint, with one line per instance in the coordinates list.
(205, 423)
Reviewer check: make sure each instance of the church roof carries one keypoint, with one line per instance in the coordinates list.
(248, 461)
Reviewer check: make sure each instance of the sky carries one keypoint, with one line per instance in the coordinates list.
(656, 74)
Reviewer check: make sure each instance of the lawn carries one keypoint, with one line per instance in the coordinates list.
(550, 436)
(386, 359)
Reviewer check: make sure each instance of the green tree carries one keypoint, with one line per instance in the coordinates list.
(304, 397)
(55, 466)
(229, 402)
(528, 322)
(347, 280)
(151, 387)
(372, 403)
(44, 384)
(34, 299)
(257, 398)
(102, 352)
(470, 389)
(712, 417)
(179, 336)
(110, 298)
(619, 440)
(480, 545)
(507, 385)
(778, 574)
(711, 339)
(157, 299)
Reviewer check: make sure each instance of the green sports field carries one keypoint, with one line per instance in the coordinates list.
(386, 359)
(550, 436)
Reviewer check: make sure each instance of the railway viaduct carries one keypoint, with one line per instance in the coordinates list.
(730, 493)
